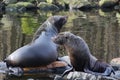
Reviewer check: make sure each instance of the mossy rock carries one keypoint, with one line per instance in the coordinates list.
(79, 4)
(107, 3)
(41, 1)
(33, 0)
(47, 6)
(20, 6)
(10, 1)
(25, 4)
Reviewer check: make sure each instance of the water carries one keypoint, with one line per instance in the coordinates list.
(101, 31)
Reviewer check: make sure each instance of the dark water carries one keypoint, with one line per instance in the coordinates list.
(101, 30)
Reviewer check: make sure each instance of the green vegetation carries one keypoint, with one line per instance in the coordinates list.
(28, 24)
(21, 4)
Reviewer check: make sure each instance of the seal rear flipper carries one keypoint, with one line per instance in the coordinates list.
(109, 71)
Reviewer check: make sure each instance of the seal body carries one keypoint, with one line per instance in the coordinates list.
(42, 50)
(80, 56)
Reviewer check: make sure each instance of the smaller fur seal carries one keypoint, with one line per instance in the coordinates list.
(80, 56)
(42, 50)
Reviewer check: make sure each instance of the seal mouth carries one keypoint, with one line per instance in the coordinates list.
(57, 40)
(64, 19)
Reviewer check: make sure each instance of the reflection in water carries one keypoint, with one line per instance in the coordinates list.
(100, 30)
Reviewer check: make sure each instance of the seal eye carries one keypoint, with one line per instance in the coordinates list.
(66, 37)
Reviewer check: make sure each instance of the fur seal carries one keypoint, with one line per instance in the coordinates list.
(42, 50)
(80, 56)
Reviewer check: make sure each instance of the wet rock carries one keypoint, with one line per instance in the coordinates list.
(3, 67)
(117, 75)
(108, 3)
(57, 67)
(116, 65)
(65, 59)
(62, 4)
(80, 4)
(2, 6)
(10, 1)
(117, 7)
(86, 76)
(115, 62)
(47, 6)
(41, 1)
(20, 6)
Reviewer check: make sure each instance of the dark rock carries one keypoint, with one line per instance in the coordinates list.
(2, 6)
(108, 3)
(57, 67)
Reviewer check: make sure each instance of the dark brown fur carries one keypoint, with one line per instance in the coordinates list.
(80, 56)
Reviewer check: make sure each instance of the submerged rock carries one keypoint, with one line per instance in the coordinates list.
(47, 6)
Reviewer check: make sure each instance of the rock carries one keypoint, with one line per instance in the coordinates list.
(85, 76)
(47, 7)
(10, 1)
(3, 67)
(26, 5)
(115, 62)
(41, 1)
(117, 7)
(65, 59)
(80, 4)
(108, 3)
(62, 4)
(57, 67)
(33, 0)
(20, 6)
(2, 6)
(117, 75)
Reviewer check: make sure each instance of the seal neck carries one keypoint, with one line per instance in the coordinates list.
(51, 29)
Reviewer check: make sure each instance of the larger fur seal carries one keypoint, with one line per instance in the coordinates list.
(80, 56)
(42, 50)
